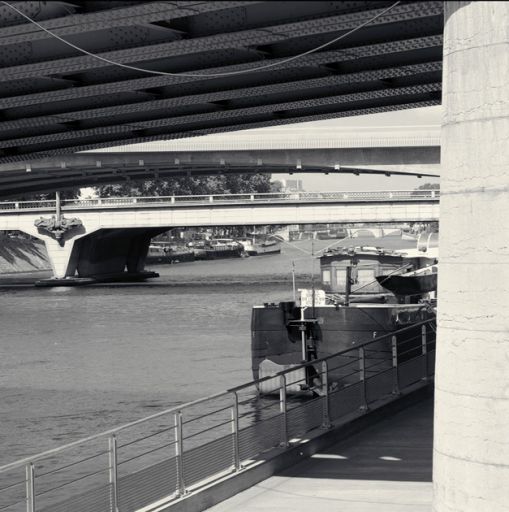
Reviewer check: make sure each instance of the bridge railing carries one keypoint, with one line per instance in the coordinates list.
(270, 197)
(165, 455)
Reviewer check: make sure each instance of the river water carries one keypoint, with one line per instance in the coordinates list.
(77, 361)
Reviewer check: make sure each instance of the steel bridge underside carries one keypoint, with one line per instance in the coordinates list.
(55, 101)
(92, 169)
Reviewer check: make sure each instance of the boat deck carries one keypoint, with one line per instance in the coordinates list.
(384, 468)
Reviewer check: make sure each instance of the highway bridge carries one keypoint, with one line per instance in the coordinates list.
(110, 236)
(90, 75)
(87, 75)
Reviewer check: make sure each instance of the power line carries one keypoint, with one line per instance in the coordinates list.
(204, 75)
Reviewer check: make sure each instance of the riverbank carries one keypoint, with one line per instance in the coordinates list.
(25, 262)
(18, 255)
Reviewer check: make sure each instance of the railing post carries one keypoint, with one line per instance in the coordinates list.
(395, 379)
(326, 424)
(211, 199)
(112, 452)
(235, 432)
(251, 197)
(16, 205)
(30, 487)
(179, 445)
(424, 352)
(283, 410)
(362, 377)
(172, 199)
(99, 201)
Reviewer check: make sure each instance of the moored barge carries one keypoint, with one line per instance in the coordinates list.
(350, 307)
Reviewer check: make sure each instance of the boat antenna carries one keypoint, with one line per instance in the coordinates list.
(313, 274)
(293, 281)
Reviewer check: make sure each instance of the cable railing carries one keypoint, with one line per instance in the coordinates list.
(162, 457)
(269, 197)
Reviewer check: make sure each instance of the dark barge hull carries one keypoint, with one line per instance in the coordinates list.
(264, 252)
(170, 258)
(276, 339)
(409, 285)
(218, 254)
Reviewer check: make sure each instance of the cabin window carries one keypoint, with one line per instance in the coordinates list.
(341, 278)
(326, 277)
(365, 276)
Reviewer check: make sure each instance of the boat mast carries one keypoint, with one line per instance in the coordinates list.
(302, 328)
(313, 275)
(293, 281)
(348, 285)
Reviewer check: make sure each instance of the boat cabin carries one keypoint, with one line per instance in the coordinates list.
(366, 263)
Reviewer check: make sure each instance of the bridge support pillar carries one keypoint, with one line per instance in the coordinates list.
(138, 251)
(114, 253)
(471, 444)
(103, 254)
(63, 259)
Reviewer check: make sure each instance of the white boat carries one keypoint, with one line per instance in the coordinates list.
(258, 244)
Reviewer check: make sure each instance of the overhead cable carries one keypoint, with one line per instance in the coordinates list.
(200, 75)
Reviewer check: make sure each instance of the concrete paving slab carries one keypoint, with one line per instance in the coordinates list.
(384, 468)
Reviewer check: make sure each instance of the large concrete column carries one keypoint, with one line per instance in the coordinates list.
(471, 447)
(62, 257)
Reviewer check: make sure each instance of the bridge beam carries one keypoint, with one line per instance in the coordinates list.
(471, 446)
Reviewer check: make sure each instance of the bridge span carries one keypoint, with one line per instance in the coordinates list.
(107, 236)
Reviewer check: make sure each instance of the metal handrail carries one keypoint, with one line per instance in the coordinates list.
(197, 463)
(173, 410)
(107, 433)
(101, 202)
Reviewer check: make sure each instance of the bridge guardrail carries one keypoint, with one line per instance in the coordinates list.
(167, 454)
(270, 197)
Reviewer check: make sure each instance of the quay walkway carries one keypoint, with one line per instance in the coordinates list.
(240, 443)
(384, 468)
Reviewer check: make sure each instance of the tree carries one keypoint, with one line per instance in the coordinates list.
(70, 193)
(429, 186)
(192, 185)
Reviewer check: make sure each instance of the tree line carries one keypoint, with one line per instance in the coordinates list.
(246, 183)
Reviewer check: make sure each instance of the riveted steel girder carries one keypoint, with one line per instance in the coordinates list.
(243, 39)
(309, 61)
(54, 100)
(253, 92)
(108, 19)
(334, 101)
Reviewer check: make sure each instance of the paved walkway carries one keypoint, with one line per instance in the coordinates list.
(385, 468)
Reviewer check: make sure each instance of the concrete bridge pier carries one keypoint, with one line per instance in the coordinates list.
(471, 445)
(101, 254)
(112, 252)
